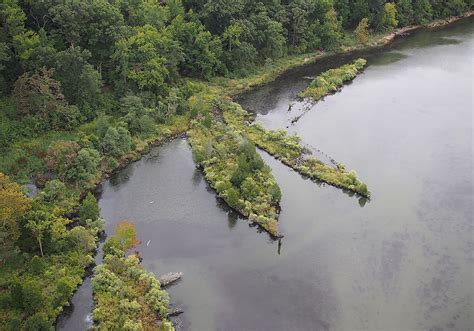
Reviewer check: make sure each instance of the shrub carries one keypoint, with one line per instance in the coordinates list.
(89, 208)
(362, 31)
(33, 297)
(38, 322)
(16, 293)
(116, 142)
(36, 265)
(60, 156)
(85, 166)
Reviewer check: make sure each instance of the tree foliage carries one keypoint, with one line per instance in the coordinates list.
(13, 206)
(362, 31)
(89, 209)
(390, 16)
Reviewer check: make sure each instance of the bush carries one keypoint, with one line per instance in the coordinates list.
(112, 163)
(60, 156)
(362, 31)
(85, 166)
(89, 209)
(38, 322)
(233, 197)
(116, 142)
(16, 293)
(36, 265)
(32, 297)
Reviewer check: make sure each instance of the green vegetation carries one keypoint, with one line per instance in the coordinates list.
(332, 80)
(42, 258)
(362, 32)
(289, 150)
(126, 297)
(87, 86)
(390, 16)
(235, 170)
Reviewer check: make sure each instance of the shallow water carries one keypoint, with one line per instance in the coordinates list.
(403, 261)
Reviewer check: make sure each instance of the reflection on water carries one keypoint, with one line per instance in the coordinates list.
(388, 58)
(402, 262)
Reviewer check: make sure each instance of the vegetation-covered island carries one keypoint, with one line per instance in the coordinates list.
(86, 87)
(125, 295)
(332, 80)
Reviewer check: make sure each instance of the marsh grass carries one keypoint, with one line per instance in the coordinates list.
(332, 80)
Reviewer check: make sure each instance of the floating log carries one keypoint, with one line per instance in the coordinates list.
(175, 312)
(170, 278)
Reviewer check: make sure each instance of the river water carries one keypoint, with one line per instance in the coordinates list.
(402, 261)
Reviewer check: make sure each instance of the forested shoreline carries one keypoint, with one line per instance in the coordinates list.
(87, 86)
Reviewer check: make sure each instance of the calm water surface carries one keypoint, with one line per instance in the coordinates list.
(403, 261)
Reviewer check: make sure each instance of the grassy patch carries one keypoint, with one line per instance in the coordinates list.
(332, 80)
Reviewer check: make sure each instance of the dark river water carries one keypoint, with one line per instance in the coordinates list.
(403, 261)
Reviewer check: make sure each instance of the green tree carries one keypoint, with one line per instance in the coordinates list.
(94, 25)
(422, 11)
(80, 82)
(376, 12)
(13, 20)
(139, 13)
(331, 30)
(201, 51)
(360, 10)
(85, 166)
(217, 14)
(16, 295)
(33, 298)
(54, 194)
(131, 104)
(446, 8)
(390, 16)
(148, 59)
(89, 209)
(39, 94)
(39, 223)
(233, 197)
(362, 31)
(5, 58)
(267, 35)
(343, 11)
(404, 12)
(231, 35)
(38, 322)
(116, 142)
(239, 53)
(60, 156)
(13, 206)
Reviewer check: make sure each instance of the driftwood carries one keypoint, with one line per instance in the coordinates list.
(170, 278)
(175, 312)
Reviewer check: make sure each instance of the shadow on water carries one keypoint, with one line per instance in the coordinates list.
(388, 58)
(122, 177)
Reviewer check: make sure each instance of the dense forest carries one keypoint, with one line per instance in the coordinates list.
(66, 62)
(87, 85)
